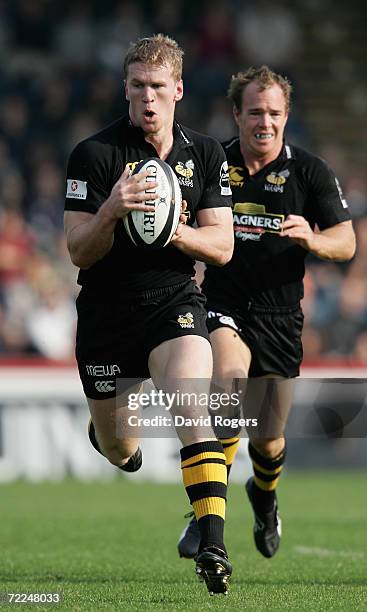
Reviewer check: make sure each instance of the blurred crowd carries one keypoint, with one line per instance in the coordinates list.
(61, 80)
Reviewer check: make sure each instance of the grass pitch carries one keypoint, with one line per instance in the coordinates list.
(112, 546)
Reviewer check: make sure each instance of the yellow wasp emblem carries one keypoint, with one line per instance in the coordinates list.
(184, 170)
(186, 320)
(277, 178)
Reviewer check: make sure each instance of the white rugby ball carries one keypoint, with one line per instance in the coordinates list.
(155, 229)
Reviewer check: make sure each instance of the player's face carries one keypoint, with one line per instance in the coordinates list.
(152, 92)
(261, 121)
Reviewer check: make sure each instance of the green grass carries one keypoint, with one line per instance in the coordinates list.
(112, 546)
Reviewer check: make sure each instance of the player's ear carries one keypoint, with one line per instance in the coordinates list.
(126, 91)
(179, 91)
(236, 113)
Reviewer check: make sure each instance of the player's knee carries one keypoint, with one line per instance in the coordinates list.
(268, 447)
(119, 452)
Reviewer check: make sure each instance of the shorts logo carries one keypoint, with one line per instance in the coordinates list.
(186, 172)
(227, 320)
(103, 370)
(225, 189)
(76, 189)
(104, 386)
(186, 321)
(224, 319)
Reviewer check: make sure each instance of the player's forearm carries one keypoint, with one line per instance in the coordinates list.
(92, 240)
(334, 244)
(210, 244)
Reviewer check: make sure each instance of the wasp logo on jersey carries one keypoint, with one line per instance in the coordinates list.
(276, 180)
(186, 172)
(186, 321)
(251, 221)
(236, 178)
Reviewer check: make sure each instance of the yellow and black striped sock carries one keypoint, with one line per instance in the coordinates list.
(266, 476)
(230, 447)
(205, 478)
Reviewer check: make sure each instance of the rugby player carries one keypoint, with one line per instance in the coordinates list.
(286, 203)
(140, 313)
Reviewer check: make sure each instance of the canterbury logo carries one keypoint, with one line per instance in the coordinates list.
(236, 177)
(104, 386)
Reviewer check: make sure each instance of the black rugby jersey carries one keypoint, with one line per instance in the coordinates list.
(266, 269)
(96, 164)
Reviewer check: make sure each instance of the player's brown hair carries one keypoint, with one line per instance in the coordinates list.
(157, 50)
(264, 77)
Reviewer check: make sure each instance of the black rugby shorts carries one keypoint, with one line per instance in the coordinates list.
(115, 336)
(273, 335)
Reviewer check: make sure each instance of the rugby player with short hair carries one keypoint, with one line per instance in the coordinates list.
(135, 304)
(286, 203)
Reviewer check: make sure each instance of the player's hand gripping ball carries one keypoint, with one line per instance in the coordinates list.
(155, 229)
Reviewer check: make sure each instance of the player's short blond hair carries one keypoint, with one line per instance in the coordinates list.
(157, 50)
(265, 78)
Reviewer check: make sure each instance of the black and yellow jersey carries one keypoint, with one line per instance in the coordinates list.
(265, 269)
(96, 164)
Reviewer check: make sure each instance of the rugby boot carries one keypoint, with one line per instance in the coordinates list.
(213, 567)
(135, 462)
(188, 544)
(267, 527)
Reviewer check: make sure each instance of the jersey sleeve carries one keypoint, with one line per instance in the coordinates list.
(217, 192)
(86, 178)
(326, 197)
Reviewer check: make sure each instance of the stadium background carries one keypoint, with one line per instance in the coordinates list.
(61, 80)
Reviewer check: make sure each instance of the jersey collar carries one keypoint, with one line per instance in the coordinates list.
(180, 135)
(181, 139)
(285, 153)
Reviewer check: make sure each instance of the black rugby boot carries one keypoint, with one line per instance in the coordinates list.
(213, 567)
(188, 544)
(267, 527)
